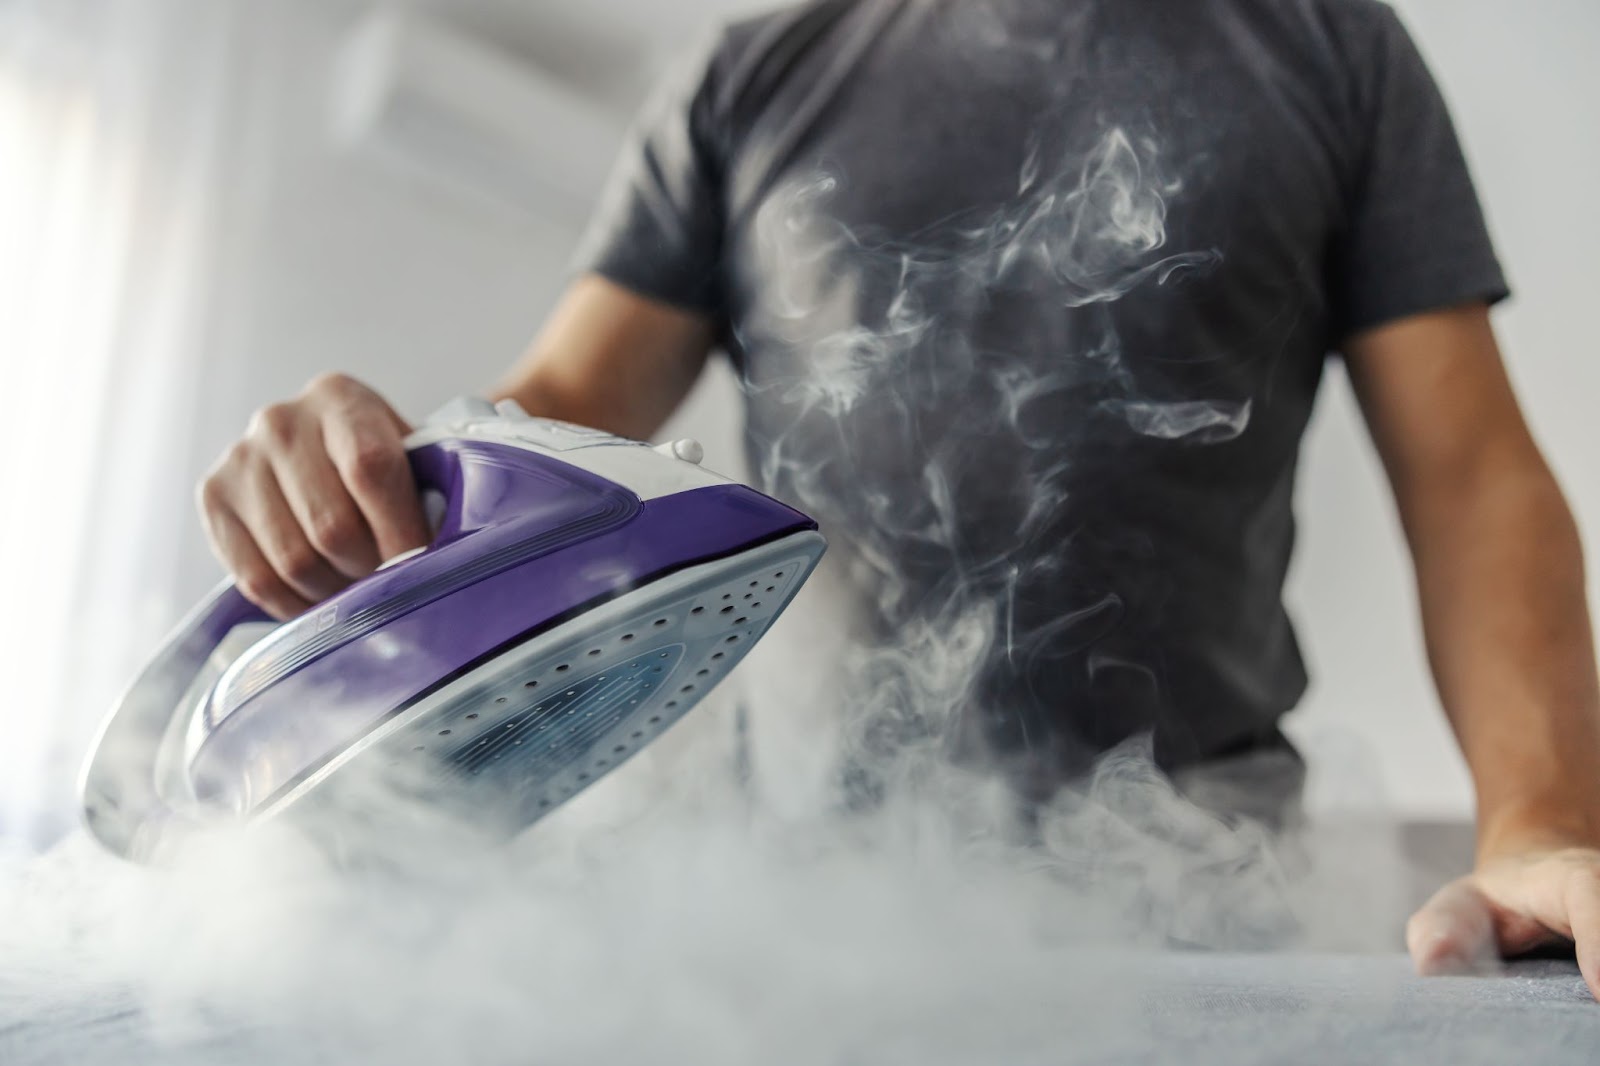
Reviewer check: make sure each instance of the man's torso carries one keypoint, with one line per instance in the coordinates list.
(1029, 303)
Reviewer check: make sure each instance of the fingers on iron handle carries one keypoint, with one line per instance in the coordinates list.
(233, 545)
(260, 504)
(1453, 932)
(369, 452)
(330, 519)
(253, 576)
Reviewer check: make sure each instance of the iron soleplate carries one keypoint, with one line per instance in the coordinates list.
(519, 735)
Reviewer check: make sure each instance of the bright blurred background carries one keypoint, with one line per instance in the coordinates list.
(203, 203)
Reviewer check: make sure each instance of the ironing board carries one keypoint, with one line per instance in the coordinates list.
(1200, 1010)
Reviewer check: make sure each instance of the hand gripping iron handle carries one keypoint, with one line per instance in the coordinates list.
(123, 807)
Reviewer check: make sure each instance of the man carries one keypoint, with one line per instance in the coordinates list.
(1030, 299)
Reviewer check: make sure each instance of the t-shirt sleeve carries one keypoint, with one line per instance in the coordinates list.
(658, 229)
(1415, 238)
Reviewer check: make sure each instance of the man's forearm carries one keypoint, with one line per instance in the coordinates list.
(611, 359)
(1500, 569)
(1500, 574)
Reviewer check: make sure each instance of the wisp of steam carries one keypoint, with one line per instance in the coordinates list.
(939, 449)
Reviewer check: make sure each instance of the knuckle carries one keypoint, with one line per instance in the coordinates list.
(333, 531)
(371, 463)
(257, 586)
(274, 422)
(239, 454)
(211, 493)
(298, 563)
(214, 490)
(334, 384)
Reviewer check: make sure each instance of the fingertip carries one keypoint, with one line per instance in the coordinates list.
(1427, 934)
(406, 531)
(1588, 954)
(401, 542)
(1430, 942)
(286, 608)
(280, 608)
(1444, 955)
(1582, 899)
(1453, 933)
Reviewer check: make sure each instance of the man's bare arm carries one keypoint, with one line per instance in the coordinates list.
(611, 359)
(1501, 582)
(318, 492)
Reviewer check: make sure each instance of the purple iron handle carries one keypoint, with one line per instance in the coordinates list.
(503, 505)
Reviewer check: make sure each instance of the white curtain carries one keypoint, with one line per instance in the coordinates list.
(109, 150)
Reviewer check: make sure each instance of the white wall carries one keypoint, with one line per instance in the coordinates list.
(334, 262)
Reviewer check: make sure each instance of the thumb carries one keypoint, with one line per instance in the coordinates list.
(1453, 932)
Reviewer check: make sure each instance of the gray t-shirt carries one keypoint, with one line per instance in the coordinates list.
(1031, 299)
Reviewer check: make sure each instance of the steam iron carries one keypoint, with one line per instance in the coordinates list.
(582, 593)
